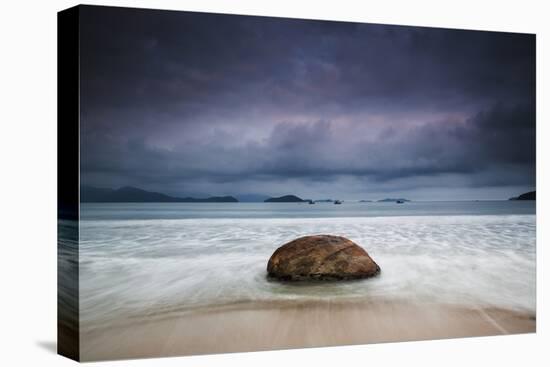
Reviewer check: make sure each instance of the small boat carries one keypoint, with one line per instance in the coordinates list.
(311, 202)
(400, 202)
(337, 202)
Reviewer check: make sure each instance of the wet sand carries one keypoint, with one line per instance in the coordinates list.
(282, 325)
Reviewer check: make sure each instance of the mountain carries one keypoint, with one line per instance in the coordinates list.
(531, 195)
(285, 199)
(391, 200)
(133, 194)
(129, 194)
(252, 198)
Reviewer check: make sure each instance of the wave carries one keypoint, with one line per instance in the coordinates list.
(137, 268)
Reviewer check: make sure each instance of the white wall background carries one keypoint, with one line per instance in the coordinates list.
(28, 181)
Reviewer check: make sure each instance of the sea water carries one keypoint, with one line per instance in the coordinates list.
(139, 261)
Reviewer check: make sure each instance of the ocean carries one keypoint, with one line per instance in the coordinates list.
(147, 260)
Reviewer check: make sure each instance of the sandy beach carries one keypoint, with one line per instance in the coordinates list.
(170, 286)
(279, 325)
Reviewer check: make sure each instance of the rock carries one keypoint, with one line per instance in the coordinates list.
(392, 200)
(321, 257)
(532, 195)
(285, 199)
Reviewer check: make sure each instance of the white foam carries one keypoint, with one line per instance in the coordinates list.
(136, 267)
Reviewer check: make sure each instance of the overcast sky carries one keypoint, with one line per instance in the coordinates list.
(205, 104)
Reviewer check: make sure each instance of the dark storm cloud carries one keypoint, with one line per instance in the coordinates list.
(499, 136)
(171, 98)
(184, 63)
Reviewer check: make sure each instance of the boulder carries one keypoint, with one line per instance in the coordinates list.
(321, 257)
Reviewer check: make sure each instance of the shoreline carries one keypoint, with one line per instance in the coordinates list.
(256, 326)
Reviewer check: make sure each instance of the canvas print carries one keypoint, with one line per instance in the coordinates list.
(233, 183)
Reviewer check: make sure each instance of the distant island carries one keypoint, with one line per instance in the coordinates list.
(285, 199)
(129, 194)
(531, 195)
(391, 200)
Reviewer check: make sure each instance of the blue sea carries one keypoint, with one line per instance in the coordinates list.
(144, 259)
